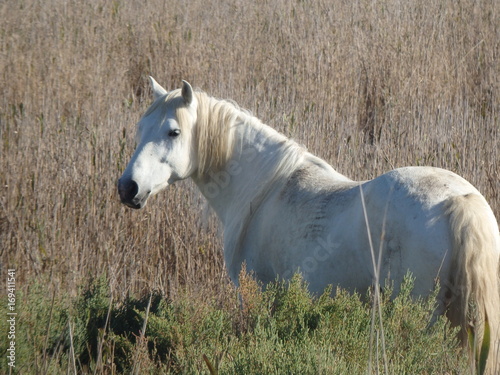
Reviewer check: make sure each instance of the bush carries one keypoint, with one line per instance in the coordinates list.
(279, 329)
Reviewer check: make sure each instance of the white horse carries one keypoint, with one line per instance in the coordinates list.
(286, 210)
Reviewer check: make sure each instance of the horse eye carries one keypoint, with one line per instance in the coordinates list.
(174, 133)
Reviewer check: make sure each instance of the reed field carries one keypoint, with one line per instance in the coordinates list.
(366, 85)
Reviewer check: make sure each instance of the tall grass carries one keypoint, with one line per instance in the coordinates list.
(366, 85)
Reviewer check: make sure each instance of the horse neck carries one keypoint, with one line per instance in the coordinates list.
(260, 156)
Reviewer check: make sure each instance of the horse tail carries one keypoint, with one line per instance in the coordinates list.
(474, 285)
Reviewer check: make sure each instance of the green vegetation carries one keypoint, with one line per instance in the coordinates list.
(280, 330)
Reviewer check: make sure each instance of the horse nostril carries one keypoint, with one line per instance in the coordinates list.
(127, 190)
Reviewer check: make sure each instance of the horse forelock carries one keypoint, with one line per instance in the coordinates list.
(163, 103)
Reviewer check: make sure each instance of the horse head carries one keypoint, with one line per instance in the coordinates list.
(165, 151)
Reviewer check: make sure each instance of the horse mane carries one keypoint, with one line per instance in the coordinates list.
(213, 132)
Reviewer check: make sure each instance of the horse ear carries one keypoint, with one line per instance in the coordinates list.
(158, 91)
(187, 92)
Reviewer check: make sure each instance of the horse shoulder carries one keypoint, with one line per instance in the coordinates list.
(311, 202)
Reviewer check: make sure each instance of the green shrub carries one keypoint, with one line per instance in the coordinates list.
(279, 329)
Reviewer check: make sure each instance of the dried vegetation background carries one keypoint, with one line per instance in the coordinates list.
(366, 85)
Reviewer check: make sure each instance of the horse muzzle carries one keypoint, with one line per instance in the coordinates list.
(129, 194)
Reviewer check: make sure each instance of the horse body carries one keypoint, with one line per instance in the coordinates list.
(313, 221)
(285, 210)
